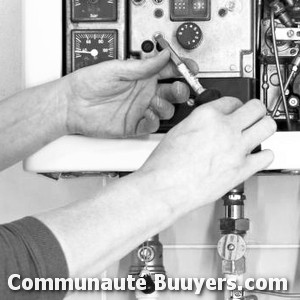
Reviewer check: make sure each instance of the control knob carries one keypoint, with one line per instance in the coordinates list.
(189, 35)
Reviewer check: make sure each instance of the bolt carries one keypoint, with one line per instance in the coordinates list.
(238, 294)
(265, 52)
(293, 102)
(290, 33)
(248, 69)
(231, 247)
(293, 52)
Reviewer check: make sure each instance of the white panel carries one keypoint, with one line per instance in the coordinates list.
(286, 148)
(75, 153)
(79, 154)
(42, 41)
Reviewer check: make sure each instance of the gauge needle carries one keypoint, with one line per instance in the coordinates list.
(94, 52)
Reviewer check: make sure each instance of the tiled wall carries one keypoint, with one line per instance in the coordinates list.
(272, 205)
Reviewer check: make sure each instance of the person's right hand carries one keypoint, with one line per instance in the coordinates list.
(209, 153)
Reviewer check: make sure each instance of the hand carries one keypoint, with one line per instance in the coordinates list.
(123, 98)
(209, 152)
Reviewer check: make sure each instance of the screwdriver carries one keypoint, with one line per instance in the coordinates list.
(181, 66)
(192, 80)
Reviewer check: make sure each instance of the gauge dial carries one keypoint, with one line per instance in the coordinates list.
(189, 35)
(93, 47)
(94, 10)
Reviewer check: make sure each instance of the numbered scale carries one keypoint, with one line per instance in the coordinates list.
(92, 47)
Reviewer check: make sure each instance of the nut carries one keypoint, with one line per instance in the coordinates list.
(234, 225)
(234, 267)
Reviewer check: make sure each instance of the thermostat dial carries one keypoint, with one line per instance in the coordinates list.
(189, 35)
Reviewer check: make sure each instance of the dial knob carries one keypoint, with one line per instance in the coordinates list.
(189, 35)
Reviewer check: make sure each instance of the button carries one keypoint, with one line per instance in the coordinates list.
(148, 46)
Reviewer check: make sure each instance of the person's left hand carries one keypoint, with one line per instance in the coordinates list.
(123, 98)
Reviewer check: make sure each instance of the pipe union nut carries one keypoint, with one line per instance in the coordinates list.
(234, 225)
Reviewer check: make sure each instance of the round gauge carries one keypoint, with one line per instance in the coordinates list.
(94, 10)
(93, 47)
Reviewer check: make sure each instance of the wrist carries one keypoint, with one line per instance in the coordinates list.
(63, 95)
(159, 187)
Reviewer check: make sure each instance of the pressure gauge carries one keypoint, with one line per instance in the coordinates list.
(90, 47)
(94, 10)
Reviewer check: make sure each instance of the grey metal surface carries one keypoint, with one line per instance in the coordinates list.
(225, 39)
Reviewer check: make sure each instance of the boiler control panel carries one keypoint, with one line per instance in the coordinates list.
(218, 34)
(95, 31)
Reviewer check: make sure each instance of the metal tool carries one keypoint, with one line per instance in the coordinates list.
(181, 66)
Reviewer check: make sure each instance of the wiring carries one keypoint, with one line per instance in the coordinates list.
(278, 70)
(279, 101)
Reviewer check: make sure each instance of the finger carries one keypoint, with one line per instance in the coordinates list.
(170, 69)
(259, 132)
(249, 113)
(149, 124)
(226, 105)
(177, 92)
(140, 69)
(257, 162)
(162, 108)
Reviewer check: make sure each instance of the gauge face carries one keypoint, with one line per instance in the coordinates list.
(92, 47)
(94, 10)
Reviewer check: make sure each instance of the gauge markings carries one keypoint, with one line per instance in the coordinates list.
(91, 47)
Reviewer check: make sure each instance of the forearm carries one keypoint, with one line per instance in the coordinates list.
(30, 120)
(97, 232)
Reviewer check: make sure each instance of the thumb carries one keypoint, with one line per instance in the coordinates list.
(142, 69)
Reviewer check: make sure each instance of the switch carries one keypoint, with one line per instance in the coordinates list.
(189, 36)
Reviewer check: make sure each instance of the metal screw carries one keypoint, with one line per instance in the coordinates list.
(146, 254)
(290, 33)
(231, 247)
(248, 69)
(238, 294)
(293, 102)
(293, 52)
